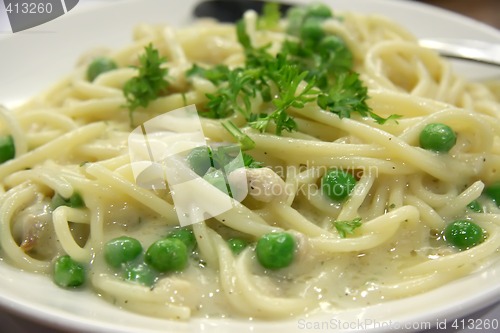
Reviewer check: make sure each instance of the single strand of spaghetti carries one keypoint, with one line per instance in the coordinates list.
(147, 198)
(387, 102)
(318, 130)
(61, 217)
(350, 208)
(56, 148)
(291, 184)
(290, 218)
(141, 299)
(96, 239)
(40, 138)
(141, 293)
(13, 201)
(298, 147)
(100, 150)
(428, 215)
(94, 109)
(14, 127)
(116, 162)
(162, 310)
(47, 117)
(397, 190)
(114, 80)
(45, 175)
(170, 102)
(486, 218)
(431, 280)
(456, 206)
(88, 90)
(207, 250)
(378, 204)
(374, 232)
(353, 162)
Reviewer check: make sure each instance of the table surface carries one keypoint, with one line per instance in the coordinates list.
(487, 11)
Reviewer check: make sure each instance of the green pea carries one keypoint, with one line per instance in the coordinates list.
(331, 43)
(142, 274)
(463, 234)
(167, 255)
(319, 10)
(337, 184)
(186, 235)
(237, 245)
(437, 137)
(312, 29)
(120, 250)
(295, 17)
(74, 201)
(98, 66)
(275, 250)
(68, 273)
(200, 160)
(7, 148)
(334, 47)
(475, 206)
(493, 192)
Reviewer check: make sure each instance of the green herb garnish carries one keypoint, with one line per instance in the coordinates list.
(347, 227)
(149, 84)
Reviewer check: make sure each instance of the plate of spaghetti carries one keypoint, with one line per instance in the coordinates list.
(312, 170)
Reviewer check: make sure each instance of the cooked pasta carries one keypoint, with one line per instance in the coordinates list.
(71, 189)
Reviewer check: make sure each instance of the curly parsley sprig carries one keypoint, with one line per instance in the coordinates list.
(151, 81)
(315, 67)
(347, 227)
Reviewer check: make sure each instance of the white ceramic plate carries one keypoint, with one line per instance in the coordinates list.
(31, 60)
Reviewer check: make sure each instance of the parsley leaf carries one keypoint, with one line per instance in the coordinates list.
(250, 162)
(270, 16)
(140, 90)
(348, 95)
(246, 143)
(217, 74)
(347, 227)
(287, 77)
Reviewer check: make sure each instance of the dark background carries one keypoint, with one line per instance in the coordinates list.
(487, 11)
